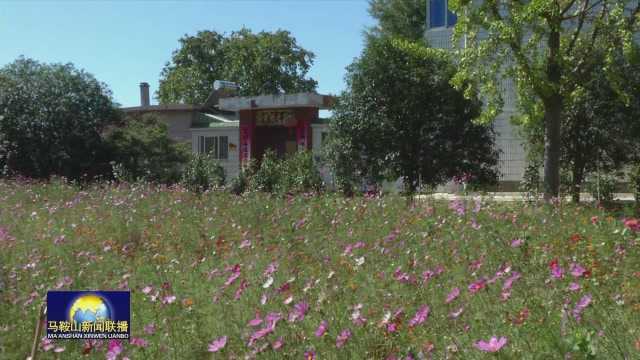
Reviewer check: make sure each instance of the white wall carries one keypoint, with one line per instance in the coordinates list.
(232, 164)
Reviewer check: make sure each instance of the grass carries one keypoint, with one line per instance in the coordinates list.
(332, 254)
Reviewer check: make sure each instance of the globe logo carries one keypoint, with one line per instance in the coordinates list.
(91, 308)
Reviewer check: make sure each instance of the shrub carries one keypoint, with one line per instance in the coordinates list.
(268, 176)
(635, 185)
(531, 182)
(602, 187)
(142, 150)
(240, 183)
(299, 174)
(203, 173)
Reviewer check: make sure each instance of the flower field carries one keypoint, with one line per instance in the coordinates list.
(321, 277)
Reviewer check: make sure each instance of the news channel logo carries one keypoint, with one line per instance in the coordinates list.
(88, 314)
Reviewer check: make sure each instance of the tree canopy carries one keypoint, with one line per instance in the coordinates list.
(403, 19)
(400, 117)
(262, 63)
(51, 119)
(546, 46)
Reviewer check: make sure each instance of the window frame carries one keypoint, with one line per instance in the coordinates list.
(447, 16)
(218, 146)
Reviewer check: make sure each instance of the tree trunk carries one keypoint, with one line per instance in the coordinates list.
(553, 111)
(578, 174)
(552, 116)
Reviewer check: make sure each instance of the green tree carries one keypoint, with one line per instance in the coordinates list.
(546, 46)
(400, 117)
(595, 113)
(143, 150)
(262, 63)
(399, 18)
(51, 119)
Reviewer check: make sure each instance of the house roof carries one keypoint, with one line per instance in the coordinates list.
(204, 120)
(275, 101)
(168, 107)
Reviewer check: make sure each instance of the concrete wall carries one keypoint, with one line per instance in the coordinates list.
(232, 164)
(178, 123)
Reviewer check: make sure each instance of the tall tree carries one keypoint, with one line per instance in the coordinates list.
(545, 46)
(262, 63)
(51, 119)
(400, 117)
(399, 18)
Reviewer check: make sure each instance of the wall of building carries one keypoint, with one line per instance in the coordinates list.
(232, 164)
(178, 123)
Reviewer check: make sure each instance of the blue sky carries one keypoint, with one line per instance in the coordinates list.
(125, 42)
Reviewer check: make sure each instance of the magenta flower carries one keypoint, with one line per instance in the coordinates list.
(322, 328)
(114, 349)
(452, 295)
(580, 306)
(255, 321)
(574, 286)
(421, 316)
(342, 338)
(556, 270)
(168, 299)
(271, 268)
(217, 345)
(577, 270)
(278, 343)
(493, 345)
(509, 281)
(150, 329)
(299, 311)
(309, 355)
(477, 286)
(516, 243)
(136, 341)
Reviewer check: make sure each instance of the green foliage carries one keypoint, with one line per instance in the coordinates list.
(602, 186)
(240, 184)
(299, 174)
(142, 150)
(203, 173)
(547, 47)
(531, 184)
(635, 185)
(268, 175)
(51, 119)
(403, 19)
(262, 63)
(400, 117)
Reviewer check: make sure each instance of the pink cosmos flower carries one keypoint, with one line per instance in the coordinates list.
(574, 286)
(508, 283)
(231, 279)
(47, 344)
(114, 349)
(556, 270)
(577, 270)
(632, 224)
(255, 321)
(580, 306)
(594, 220)
(309, 355)
(493, 345)
(147, 289)
(421, 316)
(299, 311)
(477, 286)
(452, 295)
(243, 285)
(136, 341)
(516, 243)
(322, 328)
(343, 337)
(271, 268)
(168, 299)
(150, 329)
(278, 343)
(218, 344)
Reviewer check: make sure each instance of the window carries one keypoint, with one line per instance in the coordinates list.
(439, 15)
(217, 146)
